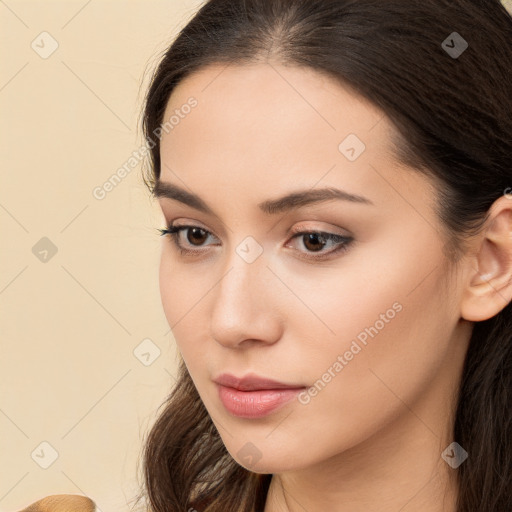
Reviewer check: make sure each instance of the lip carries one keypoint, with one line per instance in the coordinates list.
(253, 396)
(252, 382)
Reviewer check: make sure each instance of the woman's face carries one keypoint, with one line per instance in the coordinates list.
(367, 324)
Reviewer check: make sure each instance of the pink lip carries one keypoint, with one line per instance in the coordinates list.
(253, 396)
(251, 382)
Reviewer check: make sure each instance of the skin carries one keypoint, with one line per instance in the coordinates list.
(371, 439)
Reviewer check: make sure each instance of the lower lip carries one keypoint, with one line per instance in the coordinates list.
(255, 404)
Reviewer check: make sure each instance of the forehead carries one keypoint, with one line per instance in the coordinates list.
(262, 125)
(267, 91)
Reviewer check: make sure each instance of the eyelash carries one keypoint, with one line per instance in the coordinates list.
(343, 241)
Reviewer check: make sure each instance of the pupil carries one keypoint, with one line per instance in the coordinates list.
(195, 232)
(316, 239)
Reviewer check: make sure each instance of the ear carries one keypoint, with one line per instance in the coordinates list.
(489, 287)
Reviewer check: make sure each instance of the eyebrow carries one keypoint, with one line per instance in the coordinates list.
(288, 202)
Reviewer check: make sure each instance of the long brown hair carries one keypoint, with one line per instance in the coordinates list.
(453, 114)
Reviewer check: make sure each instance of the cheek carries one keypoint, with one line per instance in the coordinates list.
(392, 337)
(377, 380)
(183, 295)
(178, 292)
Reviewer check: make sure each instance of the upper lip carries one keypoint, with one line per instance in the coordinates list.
(251, 382)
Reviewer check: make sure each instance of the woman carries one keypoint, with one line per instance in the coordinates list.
(335, 178)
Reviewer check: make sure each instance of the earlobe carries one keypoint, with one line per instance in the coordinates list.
(489, 287)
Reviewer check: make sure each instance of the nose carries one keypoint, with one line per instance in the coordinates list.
(244, 305)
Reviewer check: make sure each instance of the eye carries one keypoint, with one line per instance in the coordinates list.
(194, 234)
(313, 241)
(316, 241)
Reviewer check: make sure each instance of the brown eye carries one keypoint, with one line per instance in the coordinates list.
(314, 241)
(196, 235)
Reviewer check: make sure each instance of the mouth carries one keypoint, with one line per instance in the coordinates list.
(253, 382)
(253, 396)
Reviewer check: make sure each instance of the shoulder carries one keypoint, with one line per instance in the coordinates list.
(62, 503)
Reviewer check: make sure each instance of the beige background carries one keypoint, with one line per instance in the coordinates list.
(70, 324)
(70, 321)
